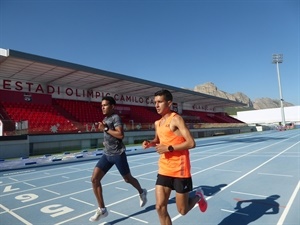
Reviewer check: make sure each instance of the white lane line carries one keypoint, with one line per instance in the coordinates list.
(234, 171)
(53, 192)
(15, 215)
(18, 173)
(75, 217)
(288, 206)
(127, 216)
(123, 189)
(244, 193)
(29, 184)
(143, 178)
(78, 200)
(273, 174)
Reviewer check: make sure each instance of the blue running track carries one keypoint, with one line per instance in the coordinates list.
(250, 178)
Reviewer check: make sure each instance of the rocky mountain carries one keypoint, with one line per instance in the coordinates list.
(267, 103)
(260, 103)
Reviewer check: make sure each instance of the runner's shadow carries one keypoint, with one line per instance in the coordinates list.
(254, 209)
(207, 191)
(212, 190)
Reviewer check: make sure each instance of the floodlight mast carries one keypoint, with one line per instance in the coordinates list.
(278, 58)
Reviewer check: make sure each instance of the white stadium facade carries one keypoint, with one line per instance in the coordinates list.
(272, 116)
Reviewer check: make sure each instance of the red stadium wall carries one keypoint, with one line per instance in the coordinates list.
(21, 97)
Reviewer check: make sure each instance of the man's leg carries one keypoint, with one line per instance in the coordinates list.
(162, 195)
(128, 178)
(97, 176)
(184, 203)
(123, 167)
(101, 211)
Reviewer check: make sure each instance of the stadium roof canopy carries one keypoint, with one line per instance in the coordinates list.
(26, 67)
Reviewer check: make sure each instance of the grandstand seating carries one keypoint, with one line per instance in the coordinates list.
(40, 117)
(203, 117)
(143, 114)
(81, 111)
(208, 117)
(137, 117)
(225, 118)
(70, 116)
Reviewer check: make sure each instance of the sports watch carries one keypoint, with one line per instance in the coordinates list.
(106, 128)
(170, 148)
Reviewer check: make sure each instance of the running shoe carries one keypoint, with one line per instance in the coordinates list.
(143, 198)
(202, 203)
(99, 214)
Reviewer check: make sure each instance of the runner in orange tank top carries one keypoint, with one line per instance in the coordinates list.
(176, 163)
(172, 142)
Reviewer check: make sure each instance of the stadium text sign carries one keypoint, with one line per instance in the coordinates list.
(89, 95)
(69, 92)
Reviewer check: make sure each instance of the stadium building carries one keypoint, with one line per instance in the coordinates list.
(48, 105)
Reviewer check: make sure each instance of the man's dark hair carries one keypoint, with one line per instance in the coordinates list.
(167, 94)
(110, 99)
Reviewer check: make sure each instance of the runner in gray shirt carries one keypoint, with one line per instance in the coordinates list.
(114, 154)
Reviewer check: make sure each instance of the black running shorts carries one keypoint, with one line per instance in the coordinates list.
(180, 185)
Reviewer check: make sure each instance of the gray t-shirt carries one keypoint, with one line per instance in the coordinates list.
(112, 145)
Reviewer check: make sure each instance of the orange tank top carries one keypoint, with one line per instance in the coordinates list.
(176, 163)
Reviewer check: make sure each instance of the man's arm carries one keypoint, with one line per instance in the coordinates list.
(117, 132)
(151, 143)
(179, 127)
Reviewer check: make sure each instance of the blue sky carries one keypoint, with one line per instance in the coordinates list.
(181, 43)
